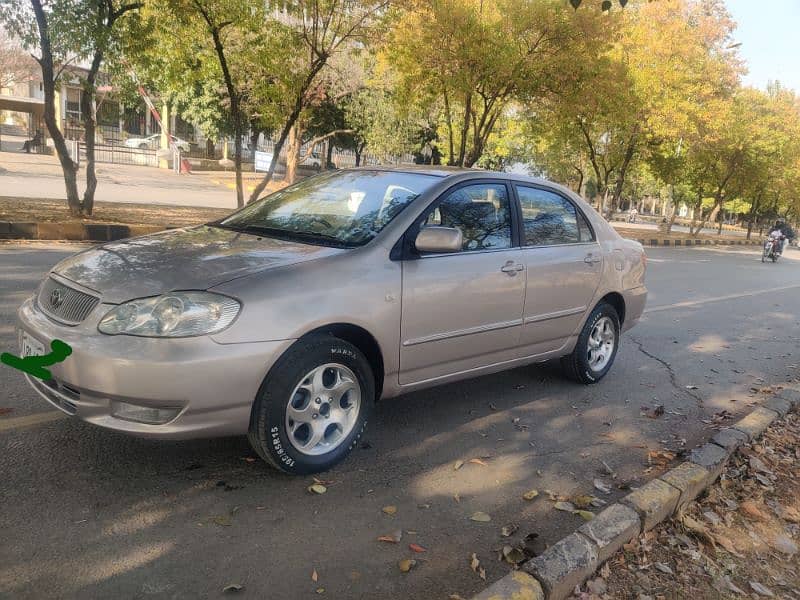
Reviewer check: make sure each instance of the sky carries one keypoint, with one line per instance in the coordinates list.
(769, 31)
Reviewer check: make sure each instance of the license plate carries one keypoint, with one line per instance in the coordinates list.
(31, 346)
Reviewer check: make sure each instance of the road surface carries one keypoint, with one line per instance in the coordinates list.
(87, 513)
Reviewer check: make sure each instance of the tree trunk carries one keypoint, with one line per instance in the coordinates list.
(359, 152)
(622, 174)
(293, 152)
(462, 148)
(68, 167)
(329, 155)
(89, 114)
(233, 97)
(89, 128)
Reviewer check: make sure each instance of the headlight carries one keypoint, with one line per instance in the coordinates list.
(179, 314)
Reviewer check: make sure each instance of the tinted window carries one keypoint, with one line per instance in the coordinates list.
(547, 218)
(346, 208)
(480, 211)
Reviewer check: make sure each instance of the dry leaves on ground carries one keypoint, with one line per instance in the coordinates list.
(739, 540)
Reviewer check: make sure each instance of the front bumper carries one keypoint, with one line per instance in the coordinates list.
(213, 385)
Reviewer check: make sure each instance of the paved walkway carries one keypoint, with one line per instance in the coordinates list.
(40, 176)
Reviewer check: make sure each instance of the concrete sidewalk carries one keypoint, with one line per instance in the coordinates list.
(40, 176)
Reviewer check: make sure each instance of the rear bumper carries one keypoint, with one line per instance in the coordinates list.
(212, 386)
(635, 301)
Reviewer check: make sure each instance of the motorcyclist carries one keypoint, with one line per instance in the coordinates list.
(782, 230)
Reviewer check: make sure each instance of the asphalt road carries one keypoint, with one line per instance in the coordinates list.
(86, 513)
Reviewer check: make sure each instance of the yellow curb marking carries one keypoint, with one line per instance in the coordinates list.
(30, 420)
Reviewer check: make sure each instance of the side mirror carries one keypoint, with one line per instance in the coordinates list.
(439, 239)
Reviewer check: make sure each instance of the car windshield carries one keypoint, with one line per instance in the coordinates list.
(346, 208)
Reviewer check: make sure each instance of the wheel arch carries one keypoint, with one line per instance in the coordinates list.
(617, 301)
(361, 339)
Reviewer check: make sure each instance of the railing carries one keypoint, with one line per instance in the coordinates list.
(121, 155)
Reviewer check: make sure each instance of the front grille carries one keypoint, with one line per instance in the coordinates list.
(64, 303)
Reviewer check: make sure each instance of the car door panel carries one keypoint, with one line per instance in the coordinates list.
(564, 265)
(460, 312)
(463, 310)
(560, 288)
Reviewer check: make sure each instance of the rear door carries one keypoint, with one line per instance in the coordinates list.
(463, 310)
(564, 263)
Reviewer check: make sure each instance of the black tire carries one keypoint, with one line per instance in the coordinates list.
(268, 432)
(576, 365)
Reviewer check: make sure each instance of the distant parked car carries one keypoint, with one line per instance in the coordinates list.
(151, 142)
(314, 160)
(290, 318)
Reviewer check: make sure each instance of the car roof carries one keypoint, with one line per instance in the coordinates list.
(460, 172)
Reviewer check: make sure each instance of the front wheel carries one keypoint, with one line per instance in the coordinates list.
(313, 406)
(596, 348)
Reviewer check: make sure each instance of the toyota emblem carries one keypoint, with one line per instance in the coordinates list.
(56, 298)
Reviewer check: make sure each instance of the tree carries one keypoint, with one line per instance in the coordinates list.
(61, 32)
(315, 31)
(32, 24)
(473, 58)
(16, 65)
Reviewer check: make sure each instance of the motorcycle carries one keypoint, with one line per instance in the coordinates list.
(772, 248)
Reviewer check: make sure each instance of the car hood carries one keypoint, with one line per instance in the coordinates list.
(195, 258)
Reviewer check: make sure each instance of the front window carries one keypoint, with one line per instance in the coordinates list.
(481, 211)
(342, 209)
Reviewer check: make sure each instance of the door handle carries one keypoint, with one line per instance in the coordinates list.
(591, 259)
(512, 268)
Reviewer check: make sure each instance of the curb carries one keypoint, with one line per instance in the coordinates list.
(93, 232)
(569, 562)
(667, 243)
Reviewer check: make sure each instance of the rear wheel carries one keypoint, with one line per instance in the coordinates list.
(596, 348)
(313, 406)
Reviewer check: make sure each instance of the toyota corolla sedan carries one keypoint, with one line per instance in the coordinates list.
(289, 319)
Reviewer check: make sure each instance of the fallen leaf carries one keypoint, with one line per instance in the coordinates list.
(416, 548)
(761, 590)
(389, 510)
(750, 509)
(232, 588)
(392, 538)
(781, 543)
(221, 520)
(482, 573)
(512, 555)
(581, 501)
(314, 576)
(474, 562)
(530, 495)
(477, 461)
(458, 465)
(406, 565)
(692, 387)
(602, 486)
(481, 517)
(565, 506)
(664, 568)
(320, 590)
(585, 514)
(317, 488)
(727, 544)
(457, 497)
(509, 530)
(653, 413)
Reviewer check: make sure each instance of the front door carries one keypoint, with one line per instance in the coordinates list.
(463, 310)
(564, 264)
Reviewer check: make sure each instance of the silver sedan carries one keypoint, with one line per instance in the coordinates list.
(289, 319)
